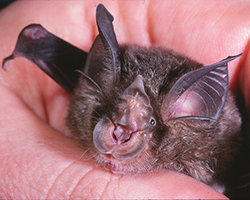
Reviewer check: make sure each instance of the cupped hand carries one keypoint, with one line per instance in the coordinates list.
(37, 159)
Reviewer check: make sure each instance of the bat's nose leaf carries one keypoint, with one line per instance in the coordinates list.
(119, 141)
(102, 136)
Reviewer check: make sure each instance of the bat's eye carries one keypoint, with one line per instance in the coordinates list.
(152, 121)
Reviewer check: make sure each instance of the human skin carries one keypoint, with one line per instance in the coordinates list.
(37, 160)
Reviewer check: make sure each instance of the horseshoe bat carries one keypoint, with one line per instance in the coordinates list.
(137, 109)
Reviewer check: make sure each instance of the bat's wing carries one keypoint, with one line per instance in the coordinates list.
(54, 56)
(199, 94)
(62, 61)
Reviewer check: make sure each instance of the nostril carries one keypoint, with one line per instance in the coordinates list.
(122, 134)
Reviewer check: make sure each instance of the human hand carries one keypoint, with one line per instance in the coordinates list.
(37, 160)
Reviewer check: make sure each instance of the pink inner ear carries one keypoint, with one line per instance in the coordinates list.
(190, 103)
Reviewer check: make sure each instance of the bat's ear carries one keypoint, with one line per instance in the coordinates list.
(102, 63)
(199, 94)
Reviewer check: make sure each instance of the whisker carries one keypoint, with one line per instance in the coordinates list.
(243, 186)
(245, 179)
(96, 112)
(83, 154)
(87, 157)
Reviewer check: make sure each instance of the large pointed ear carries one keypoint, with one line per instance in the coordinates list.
(54, 56)
(199, 94)
(102, 63)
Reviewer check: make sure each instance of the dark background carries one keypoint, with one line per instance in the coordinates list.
(4, 3)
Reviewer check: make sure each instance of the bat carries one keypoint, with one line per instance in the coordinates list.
(137, 109)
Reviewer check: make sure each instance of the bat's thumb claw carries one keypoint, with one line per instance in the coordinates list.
(6, 61)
